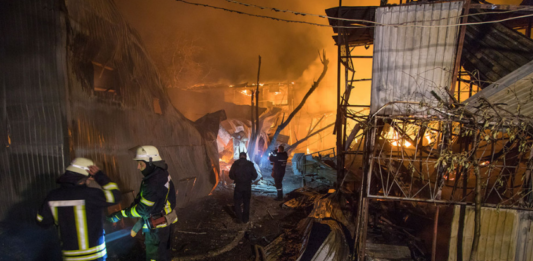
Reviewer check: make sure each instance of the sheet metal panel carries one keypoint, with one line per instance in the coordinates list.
(108, 126)
(505, 234)
(512, 92)
(32, 91)
(50, 112)
(411, 60)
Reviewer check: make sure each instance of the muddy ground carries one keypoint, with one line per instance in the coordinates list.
(209, 225)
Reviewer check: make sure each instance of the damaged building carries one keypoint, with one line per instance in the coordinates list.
(77, 82)
(445, 142)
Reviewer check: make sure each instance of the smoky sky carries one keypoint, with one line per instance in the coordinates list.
(229, 43)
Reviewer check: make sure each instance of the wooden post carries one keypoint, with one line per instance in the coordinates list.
(459, 52)
(528, 28)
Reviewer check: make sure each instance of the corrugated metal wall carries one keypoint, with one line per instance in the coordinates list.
(505, 235)
(32, 91)
(51, 112)
(410, 61)
(107, 126)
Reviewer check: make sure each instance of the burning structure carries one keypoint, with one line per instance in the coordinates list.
(77, 82)
(427, 137)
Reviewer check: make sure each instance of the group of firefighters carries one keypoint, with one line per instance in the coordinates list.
(77, 206)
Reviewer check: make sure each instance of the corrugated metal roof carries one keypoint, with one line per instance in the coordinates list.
(509, 92)
(492, 51)
(409, 62)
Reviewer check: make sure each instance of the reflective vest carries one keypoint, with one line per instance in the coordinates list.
(77, 211)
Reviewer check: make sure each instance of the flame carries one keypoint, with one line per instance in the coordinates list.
(307, 150)
(428, 138)
(393, 137)
(245, 92)
(276, 93)
(484, 163)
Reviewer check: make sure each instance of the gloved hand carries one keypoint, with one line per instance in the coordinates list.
(115, 217)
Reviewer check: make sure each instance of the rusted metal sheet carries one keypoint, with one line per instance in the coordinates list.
(77, 82)
(415, 58)
(505, 234)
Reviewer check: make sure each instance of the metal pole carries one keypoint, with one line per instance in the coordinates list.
(257, 131)
(462, 33)
(435, 227)
(338, 127)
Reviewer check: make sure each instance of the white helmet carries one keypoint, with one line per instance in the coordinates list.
(81, 166)
(147, 153)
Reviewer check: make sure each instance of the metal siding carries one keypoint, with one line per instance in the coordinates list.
(32, 105)
(106, 128)
(505, 234)
(510, 91)
(51, 114)
(411, 61)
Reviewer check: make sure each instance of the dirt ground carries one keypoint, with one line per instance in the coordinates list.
(209, 225)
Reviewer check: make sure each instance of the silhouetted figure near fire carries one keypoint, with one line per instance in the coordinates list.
(243, 173)
(279, 159)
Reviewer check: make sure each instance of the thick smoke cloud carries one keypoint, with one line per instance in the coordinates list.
(222, 47)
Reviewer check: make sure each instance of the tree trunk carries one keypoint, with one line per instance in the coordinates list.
(477, 217)
(294, 145)
(284, 124)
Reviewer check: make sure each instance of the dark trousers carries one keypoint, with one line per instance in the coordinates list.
(242, 196)
(278, 179)
(157, 242)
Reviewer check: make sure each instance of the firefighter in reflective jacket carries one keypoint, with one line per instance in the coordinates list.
(279, 159)
(77, 210)
(154, 204)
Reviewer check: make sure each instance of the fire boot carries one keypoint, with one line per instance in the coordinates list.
(280, 195)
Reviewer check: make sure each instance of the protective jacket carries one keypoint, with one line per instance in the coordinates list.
(243, 172)
(77, 210)
(279, 160)
(156, 195)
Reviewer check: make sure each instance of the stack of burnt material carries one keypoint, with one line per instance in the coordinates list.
(325, 234)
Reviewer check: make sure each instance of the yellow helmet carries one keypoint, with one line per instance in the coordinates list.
(147, 153)
(81, 166)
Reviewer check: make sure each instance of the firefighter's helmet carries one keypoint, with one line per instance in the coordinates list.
(81, 166)
(147, 153)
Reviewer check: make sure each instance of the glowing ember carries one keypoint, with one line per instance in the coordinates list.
(484, 163)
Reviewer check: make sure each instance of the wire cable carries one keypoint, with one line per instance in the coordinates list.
(356, 20)
(405, 24)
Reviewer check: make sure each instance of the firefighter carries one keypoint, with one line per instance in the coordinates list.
(77, 210)
(243, 173)
(154, 204)
(279, 159)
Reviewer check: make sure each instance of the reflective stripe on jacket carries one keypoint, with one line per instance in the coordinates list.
(157, 194)
(77, 211)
